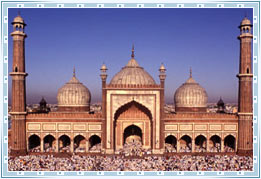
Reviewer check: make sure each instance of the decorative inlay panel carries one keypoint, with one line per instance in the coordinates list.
(64, 127)
(49, 127)
(230, 127)
(96, 127)
(171, 127)
(201, 127)
(34, 127)
(215, 127)
(79, 127)
(185, 127)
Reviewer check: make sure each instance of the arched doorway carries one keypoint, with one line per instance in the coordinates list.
(64, 143)
(34, 143)
(216, 144)
(79, 143)
(170, 144)
(229, 143)
(132, 133)
(133, 118)
(185, 144)
(201, 143)
(49, 143)
(94, 143)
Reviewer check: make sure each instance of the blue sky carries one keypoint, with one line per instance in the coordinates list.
(59, 39)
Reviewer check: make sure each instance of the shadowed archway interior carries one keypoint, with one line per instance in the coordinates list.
(132, 133)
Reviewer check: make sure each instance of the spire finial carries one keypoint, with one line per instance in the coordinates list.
(132, 51)
(74, 71)
(190, 72)
(19, 13)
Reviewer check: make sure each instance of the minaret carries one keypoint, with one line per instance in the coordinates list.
(245, 106)
(103, 76)
(18, 113)
(162, 77)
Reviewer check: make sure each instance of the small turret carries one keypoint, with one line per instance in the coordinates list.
(221, 106)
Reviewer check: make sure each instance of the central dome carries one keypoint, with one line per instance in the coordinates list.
(132, 74)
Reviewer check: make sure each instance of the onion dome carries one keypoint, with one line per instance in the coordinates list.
(18, 19)
(162, 68)
(103, 67)
(133, 74)
(190, 97)
(245, 21)
(74, 96)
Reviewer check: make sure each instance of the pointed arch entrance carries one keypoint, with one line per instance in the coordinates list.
(132, 133)
(132, 121)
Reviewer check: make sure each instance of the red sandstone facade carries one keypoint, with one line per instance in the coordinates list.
(128, 105)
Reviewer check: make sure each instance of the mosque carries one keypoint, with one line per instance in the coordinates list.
(132, 108)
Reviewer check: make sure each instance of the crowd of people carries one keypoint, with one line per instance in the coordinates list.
(123, 163)
(133, 148)
(132, 157)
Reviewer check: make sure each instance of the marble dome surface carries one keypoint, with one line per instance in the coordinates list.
(132, 73)
(190, 94)
(73, 94)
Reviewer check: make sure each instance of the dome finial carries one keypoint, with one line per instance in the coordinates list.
(132, 51)
(245, 14)
(190, 72)
(74, 71)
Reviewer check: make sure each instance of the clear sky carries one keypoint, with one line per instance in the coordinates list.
(59, 39)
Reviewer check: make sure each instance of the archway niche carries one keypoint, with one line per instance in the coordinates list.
(229, 143)
(64, 143)
(215, 143)
(79, 143)
(34, 142)
(49, 143)
(201, 143)
(94, 143)
(185, 144)
(132, 133)
(170, 144)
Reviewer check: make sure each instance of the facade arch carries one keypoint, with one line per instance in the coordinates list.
(126, 106)
(79, 142)
(185, 143)
(215, 142)
(82, 134)
(227, 134)
(131, 133)
(64, 134)
(230, 143)
(201, 134)
(64, 142)
(186, 134)
(34, 142)
(201, 143)
(136, 114)
(94, 143)
(49, 143)
(170, 143)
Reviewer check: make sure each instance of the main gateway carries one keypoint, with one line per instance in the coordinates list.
(132, 109)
